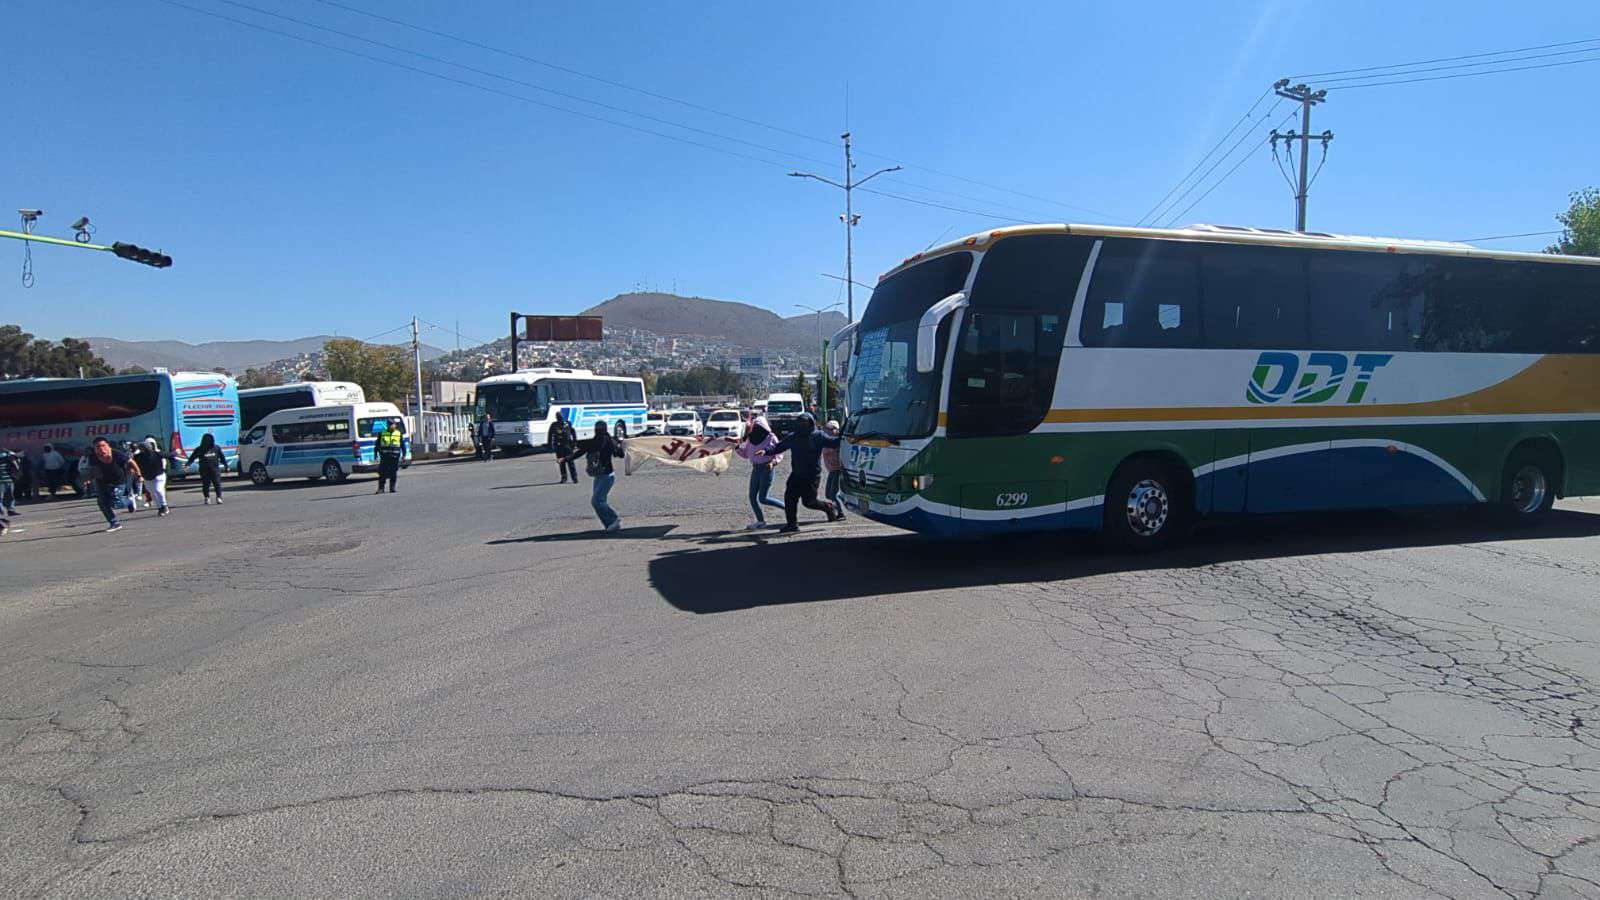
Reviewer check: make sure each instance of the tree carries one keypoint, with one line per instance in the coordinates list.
(1580, 224)
(24, 356)
(383, 372)
(257, 378)
(133, 370)
(802, 387)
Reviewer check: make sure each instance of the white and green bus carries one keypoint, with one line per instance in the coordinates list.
(1133, 380)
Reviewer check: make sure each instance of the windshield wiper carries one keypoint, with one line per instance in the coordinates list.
(874, 436)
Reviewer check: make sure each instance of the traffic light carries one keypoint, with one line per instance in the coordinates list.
(141, 255)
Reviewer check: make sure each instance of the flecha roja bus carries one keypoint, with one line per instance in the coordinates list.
(256, 404)
(1132, 380)
(526, 402)
(175, 408)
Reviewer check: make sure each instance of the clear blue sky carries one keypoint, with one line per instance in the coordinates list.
(302, 190)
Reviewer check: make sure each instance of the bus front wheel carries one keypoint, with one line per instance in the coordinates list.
(258, 474)
(1146, 507)
(1528, 487)
(332, 471)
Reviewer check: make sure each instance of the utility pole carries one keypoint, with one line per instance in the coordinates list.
(1307, 98)
(416, 355)
(849, 218)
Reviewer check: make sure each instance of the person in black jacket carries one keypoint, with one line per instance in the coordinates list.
(563, 438)
(805, 444)
(600, 451)
(212, 462)
(486, 437)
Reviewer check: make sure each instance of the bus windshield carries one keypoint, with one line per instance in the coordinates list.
(783, 406)
(513, 402)
(888, 397)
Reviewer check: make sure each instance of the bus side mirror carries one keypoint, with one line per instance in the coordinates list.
(928, 329)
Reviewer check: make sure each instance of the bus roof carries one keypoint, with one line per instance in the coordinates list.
(51, 381)
(526, 376)
(293, 386)
(1239, 234)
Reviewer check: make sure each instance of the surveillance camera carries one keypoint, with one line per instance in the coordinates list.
(81, 224)
(31, 213)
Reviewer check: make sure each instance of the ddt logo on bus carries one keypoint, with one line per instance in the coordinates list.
(862, 457)
(1318, 378)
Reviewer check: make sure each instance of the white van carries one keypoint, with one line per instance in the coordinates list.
(655, 422)
(327, 442)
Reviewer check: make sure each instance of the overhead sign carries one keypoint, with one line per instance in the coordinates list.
(752, 365)
(563, 328)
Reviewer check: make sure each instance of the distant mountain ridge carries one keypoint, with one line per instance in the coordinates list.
(737, 323)
(235, 356)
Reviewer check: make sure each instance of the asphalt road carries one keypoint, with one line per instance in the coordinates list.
(464, 688)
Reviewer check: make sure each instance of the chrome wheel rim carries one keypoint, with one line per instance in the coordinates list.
(258, 473)
(331, 470)
(1528, 489)
(1148, 508)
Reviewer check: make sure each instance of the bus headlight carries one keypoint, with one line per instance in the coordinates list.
(922, 482)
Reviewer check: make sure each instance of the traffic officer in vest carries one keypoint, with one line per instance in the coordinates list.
(391, 447)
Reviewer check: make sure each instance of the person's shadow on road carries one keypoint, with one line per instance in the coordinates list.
(643, 532)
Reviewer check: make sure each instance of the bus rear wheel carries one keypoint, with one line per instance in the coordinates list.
(1146, 507)
(258, 474)
(1528, 487)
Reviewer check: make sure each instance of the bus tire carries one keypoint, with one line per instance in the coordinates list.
(258, 475)
(1528, 486)
(1147, 507)
(333, 472)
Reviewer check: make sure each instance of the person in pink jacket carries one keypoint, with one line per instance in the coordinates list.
(756, 446)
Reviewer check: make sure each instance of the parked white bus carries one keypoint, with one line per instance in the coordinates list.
(256, 404)
(526, 402)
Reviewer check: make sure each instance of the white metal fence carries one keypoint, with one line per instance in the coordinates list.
(441, 429)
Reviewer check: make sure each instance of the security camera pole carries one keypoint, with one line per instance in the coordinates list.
(849, 218)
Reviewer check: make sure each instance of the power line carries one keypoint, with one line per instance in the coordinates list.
(697, 106)
(518, 97)
(1207, 174)
(970, 212)
(1225, 176)
(1202, 160)
(1570, 62)
(1425, 62)
(1506, 237)
(1471, 65)
(517, 81)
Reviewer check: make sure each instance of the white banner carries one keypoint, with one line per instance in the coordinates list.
(710, 455)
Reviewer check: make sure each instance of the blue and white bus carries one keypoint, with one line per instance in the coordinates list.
(256, 404)
(175, 408)
(526, 402)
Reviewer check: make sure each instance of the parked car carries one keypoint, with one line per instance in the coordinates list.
(683, 422)
(655, 422)
(728, 423)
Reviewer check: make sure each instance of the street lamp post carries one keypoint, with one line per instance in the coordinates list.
(822, 372)
(849, 218)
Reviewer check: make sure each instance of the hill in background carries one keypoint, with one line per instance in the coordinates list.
(234, 356)
(737, 323)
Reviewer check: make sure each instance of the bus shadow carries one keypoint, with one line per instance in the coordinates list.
(839, 568)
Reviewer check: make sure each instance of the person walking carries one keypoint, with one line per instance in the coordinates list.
(756, 447)
(10, 474)
(563, 439)
(133, 485)
(599, 451)
(108, 468)
(834, 467)
(26, 484)
(805, 471)
(391, 447)
(486, 437)
(55, 469)
(152, 464)
(212, 461)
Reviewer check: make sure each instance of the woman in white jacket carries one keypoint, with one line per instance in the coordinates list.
(756, 446)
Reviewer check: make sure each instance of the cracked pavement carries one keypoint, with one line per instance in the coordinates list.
(464, 688)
